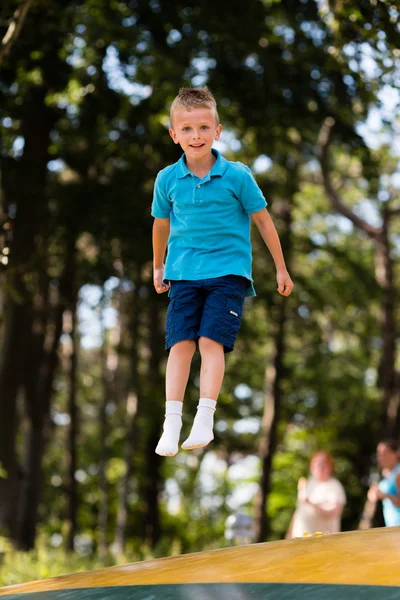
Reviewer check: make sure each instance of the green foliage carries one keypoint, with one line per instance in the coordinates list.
(43, 562)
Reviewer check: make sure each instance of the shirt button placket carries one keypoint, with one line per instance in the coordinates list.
(196, 194)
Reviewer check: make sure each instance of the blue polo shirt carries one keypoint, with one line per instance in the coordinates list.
(209, 219)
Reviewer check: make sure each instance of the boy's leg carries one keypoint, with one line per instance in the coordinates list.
(183, 319)
(211, 377)
(212, 368)
(222, 313)
(178, 369)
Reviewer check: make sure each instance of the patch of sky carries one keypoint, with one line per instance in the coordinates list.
(287, 33)
(303, 311)
(251, 61)
(315, 74)
(111, 284)
(88, 313)
(370, 376)
(56, 166)
(221, 426)
(335, 345)
(310, 400)
(129, 21)
(199, 80)
(174, 37)
(72, 110)
(313, 32)
(396, 179)
(243, 391)
(172, 492)
(339, 221)
(242, 495)
(7, 122)
(248, 425)
(368, 211)
(61, 419)
(228, 142)
(79, 43)
(114, 135)
(202, 64)
(142, 46)
(246, 467)
(262, 164)
(324, 88)
(75, 59)
(211, 470)
(240, 473)
(368, 62)
(56, 539)
(118, 81)
(18, 146)
(318, 238)
(62, 103)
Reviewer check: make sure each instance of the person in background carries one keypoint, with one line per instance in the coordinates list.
(320, 499)
(388, 489)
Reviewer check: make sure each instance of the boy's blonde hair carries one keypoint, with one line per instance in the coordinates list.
(191, 98)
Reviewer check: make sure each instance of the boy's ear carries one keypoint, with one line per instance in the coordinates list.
(218, 132)
(173, 135)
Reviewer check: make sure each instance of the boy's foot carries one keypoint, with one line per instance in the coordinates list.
(202, 429)
(168, 444)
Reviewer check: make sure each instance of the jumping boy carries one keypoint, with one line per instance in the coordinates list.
(202, 207)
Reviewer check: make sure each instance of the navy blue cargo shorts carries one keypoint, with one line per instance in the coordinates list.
(209, 308)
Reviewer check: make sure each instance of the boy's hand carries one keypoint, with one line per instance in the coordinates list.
(285, 284)
(159, 285)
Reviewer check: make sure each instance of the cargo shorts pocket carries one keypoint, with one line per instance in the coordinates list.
(233, 315)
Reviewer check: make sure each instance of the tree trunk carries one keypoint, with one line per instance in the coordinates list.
(273, 383)
(133, 404)
(11, 368)
(103, 425)
(39, 378)
(72, 434)
(153, 475)
(30, 199)
(269, 426)
(387, 369)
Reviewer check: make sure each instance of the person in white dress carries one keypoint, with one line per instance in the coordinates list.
(320, 500)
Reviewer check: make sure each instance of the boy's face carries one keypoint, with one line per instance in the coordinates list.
(195, 130)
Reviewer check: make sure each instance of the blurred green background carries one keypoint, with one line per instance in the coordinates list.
(308, 94)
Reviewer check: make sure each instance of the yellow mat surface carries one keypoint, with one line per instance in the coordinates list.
(366, 558)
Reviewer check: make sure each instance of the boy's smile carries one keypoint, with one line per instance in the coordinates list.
(195, 131)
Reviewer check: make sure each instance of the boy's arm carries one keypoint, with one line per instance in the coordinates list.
(160, 242)
(270, 236)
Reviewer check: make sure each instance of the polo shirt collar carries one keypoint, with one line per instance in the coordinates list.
(217, 170)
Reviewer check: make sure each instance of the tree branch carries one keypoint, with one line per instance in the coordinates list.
(324, 141)
(14, 28)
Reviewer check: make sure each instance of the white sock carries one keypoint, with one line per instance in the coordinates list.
(168, 444)
(202, 429)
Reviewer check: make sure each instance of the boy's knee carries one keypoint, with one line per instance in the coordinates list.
(208, 345)
(184, 347)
